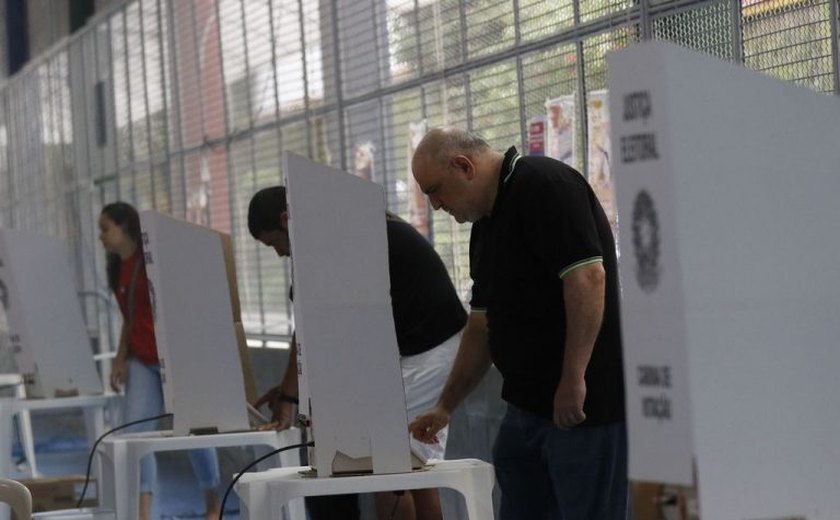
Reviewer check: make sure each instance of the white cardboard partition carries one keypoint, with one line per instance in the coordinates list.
(350, 374)
(196, 340)
(727, 183)
(46, 328)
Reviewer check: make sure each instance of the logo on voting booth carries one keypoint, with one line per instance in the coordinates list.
(646, 241)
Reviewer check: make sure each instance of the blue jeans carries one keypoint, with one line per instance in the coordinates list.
(144, 398)
(548, 473)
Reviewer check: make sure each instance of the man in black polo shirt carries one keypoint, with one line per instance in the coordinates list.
(545, 311)
(428, 317)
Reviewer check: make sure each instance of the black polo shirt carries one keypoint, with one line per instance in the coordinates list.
(427, 310)
(426, 307)
(546, 221)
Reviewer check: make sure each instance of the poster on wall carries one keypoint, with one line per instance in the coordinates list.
(418, 206)
(363, 159)
(536, 135)
(560, 132)
(200, 190)
(598, 132)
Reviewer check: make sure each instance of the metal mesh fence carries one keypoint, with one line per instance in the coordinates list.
(185, 106)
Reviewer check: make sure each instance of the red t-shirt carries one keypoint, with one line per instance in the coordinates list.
(141, 341)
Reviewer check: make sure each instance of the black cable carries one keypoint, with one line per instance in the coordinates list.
(396, 504)
(251, 465)
(95, 444)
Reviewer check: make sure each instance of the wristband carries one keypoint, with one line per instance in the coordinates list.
(286, 398)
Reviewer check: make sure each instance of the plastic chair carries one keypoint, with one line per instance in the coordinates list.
(18, 497)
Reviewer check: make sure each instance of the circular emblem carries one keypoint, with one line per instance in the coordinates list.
(646, 241)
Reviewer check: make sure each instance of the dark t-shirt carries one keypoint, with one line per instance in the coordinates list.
(546, 221)
(427, 310)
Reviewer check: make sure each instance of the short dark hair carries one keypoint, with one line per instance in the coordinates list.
(264, 210)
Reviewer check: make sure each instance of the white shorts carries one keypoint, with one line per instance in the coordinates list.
(423, 378)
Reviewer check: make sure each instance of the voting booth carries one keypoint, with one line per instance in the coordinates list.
(350, 382)
(203, 361)
(350, 379)
(44, 317)
(41, 314)
(194, 318)
(727, 182)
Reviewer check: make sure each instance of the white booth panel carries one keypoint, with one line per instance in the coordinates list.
(194, 328)
(46, 328)
(351, 379)
(727, 182)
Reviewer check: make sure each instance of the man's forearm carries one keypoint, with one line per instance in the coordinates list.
(289, 384)
(470, 366)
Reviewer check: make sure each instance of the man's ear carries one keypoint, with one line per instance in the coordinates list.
(464, 165)
(284, 220)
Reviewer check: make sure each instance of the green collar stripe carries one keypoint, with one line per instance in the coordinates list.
(512, 166)
(587, 261)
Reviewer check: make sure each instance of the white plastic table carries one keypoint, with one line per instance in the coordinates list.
(93, 407)
(76, 514)
(263, 495)
(119, 488)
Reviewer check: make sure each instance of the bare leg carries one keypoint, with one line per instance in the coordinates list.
(211, 505)
(427, 504)
(145, 506)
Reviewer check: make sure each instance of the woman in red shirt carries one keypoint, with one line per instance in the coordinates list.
(136, 365)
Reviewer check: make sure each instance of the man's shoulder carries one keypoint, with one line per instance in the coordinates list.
(405, 242)
(400, 230)
(543, 176)
(542, 170)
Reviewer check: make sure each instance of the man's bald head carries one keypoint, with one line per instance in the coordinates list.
(439, 145)
(455, 168)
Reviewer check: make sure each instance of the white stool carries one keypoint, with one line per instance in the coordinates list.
(18, 497)
(263, 495)
(120, 483)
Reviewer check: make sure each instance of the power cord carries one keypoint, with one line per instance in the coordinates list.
(251, 465)
(95, 444)
(396, 504)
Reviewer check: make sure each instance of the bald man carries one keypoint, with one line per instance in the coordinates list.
(544, 310)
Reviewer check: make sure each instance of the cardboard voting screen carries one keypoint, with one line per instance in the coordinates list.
(350, 374)
(194, 325)
(44, 318)
(727, 182)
